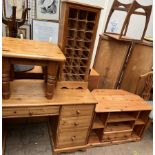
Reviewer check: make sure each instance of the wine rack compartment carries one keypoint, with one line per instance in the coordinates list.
(77, 35)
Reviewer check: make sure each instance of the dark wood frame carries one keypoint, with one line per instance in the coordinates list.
(4, 8)
(130, 9)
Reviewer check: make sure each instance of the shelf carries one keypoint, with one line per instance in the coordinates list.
(93, 138)
(97, 123)
(139, 122)
(119, 127)
(120, 117)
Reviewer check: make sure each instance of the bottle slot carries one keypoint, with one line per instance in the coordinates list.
(88, 36)
(82, 14)
(71, 34)
(80, 35)
(91, 16)
(89, 26)
(73, 13)
(81, 25)
(71, 23)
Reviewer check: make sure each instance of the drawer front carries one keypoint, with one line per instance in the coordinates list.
(68, 138)
(74, 122)
(30, 111)
(77, 110)
(116, 136)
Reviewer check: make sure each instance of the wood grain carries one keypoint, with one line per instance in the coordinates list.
(109, 61)
(140, 62)
(110, 100)
(34, 95)
(23, 48)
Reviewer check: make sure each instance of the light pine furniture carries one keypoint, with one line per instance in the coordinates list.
(93, 79)
(120, 117)
(77, 33)
(70, 112)
(29, 52)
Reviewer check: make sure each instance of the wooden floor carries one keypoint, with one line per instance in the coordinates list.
(33, 139)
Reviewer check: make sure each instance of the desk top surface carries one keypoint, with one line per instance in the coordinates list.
(30, 49)
(112, 100)
(32, 93)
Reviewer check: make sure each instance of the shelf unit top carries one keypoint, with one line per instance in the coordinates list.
(114, 100)
(31, 93)
(30, 49)
(82, 4)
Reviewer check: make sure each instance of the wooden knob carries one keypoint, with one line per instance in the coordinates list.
(30, 113)
(15, 112)
(78, 111)
(73, 138)
(75, 124)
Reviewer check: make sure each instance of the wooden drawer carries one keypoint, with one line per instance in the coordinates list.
(116, 136)
(74, 122)
(30, 111)
(68, 138)
(77, 110)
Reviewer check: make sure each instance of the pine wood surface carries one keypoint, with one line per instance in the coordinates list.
(109, 61)
(23, 48)
(30, 93)
(110, 100)
(140, 63)
(78, 3)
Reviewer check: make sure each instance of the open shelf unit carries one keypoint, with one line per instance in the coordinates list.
(115, 127)
(78, 32)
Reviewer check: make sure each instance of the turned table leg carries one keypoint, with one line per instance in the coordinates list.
(51, 79)
(5, 78)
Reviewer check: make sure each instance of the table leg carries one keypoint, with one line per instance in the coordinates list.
(5, 78)
(51, 79)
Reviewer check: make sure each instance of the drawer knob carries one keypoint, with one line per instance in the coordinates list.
(78, 112)
(30, 113)
(15, 112)
(76, 124)
(73, 138)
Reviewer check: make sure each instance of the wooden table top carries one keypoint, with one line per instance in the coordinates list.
(30, 49)
(112, 100)
(29, 93)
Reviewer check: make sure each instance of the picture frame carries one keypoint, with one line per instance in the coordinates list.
(25, 30)
(20, 4)
(47, 9)
(45, 30)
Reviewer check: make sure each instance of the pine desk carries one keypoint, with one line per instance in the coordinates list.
(70, 112)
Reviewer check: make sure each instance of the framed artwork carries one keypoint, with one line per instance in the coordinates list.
(45, 30)
(20, 4)
(25, 30)
(47, 9)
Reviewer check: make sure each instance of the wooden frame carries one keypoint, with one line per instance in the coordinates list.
(130, 9)
(5, 9)
(50, 17)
